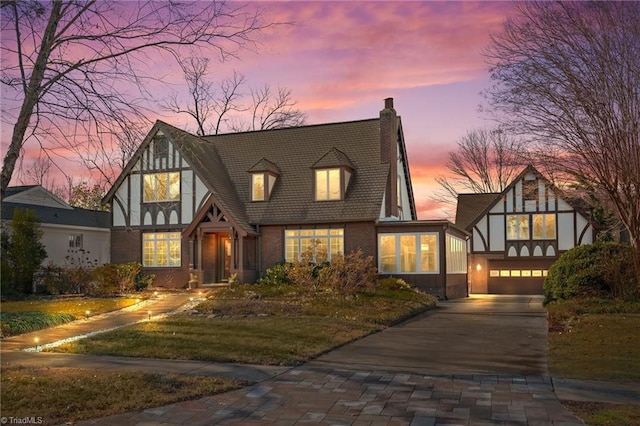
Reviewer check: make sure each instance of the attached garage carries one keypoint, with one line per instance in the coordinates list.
(516, 277)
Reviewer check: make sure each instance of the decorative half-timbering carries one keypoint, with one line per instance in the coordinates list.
(199, 209)
(519, 233)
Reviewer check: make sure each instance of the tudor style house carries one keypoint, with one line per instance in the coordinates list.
(197, 209)
(519, 233)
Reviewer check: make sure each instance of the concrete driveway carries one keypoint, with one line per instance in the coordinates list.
(483, 334)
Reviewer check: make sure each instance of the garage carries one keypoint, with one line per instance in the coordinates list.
(516, 276)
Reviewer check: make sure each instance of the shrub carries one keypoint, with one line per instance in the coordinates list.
(22, 252)
(120, 277)
(602, 269)
(348, 274)
(276, 276)
(12, 323)
(393, 284)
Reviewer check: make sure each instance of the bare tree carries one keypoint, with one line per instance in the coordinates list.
(274, 111)
(223, 105)
(485, 161)
(208, 102)
(70, 66)
(567, 73)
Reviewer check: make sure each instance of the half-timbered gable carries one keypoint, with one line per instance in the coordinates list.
(200, 209)
(518, 233)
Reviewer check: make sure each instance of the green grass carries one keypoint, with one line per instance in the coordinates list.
(18, 317)
(596, 339)
(267, 340)
(85, 394)
(601, 414)
(250, 324)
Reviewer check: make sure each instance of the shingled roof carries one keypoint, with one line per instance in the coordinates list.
(294, 151)
(470, 206)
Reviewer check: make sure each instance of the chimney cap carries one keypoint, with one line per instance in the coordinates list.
(388, 103)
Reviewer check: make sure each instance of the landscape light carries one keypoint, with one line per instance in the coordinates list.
(87, 313)
(149, 312)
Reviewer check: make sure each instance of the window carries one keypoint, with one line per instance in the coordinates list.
(456, 255)
(161, 187)
(262, 185)
(257, 187)
(75, 241)
(544, 226)
(160, 145)
(408, 253)
(329, 242)
(530, 190)
(161, 249)
(328, 186)
(518, 227)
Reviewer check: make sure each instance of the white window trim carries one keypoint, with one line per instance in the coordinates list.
(314, 237)
(171, 236)
(418, 253)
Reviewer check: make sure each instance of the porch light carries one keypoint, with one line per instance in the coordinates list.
(478, 267)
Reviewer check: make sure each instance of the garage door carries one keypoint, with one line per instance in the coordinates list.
(516, 277)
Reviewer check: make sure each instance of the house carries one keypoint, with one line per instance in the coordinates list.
(518, 233)
(199, 209)
(71, 236)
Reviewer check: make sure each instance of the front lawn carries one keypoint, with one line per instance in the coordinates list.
(596, 339)
(261, 325)
(18, 317)
(64, 395)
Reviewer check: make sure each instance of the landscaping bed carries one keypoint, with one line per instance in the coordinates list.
(18, 317)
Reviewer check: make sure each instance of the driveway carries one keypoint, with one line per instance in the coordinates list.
(483, 334)
(476, 361)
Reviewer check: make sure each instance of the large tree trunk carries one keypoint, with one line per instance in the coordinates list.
(31, 96)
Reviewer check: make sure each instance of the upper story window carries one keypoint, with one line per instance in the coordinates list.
(332, 173)
(328, 185)
(161, 187)
(263, 178)
(544, 226)
(160, 145)
(518, 227)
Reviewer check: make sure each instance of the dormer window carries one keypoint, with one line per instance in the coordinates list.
(329, 184)
(263, 178)
(331, 176)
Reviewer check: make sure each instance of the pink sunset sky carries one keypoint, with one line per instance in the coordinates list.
(341, 59)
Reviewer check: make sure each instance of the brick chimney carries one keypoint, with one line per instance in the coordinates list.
(389, 155)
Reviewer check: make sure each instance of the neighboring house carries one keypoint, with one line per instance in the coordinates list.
(71, 236)
(199, 209)
(519, 233)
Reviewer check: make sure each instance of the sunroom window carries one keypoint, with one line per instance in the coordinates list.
(161, 187)
(408, 253)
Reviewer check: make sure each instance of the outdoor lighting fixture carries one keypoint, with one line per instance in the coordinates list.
(155, 294)
(149, 312)
(191, 299)
(478, 267)
(200, 294)
(137, 300)
(36, 340)
(87, 313)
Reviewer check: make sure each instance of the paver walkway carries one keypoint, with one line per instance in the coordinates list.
(476, 361)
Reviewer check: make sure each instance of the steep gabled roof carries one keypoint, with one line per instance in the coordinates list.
(333, 158)
(472, 206)
(294, 151)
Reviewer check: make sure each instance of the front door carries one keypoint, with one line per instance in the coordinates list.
(216, 257)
